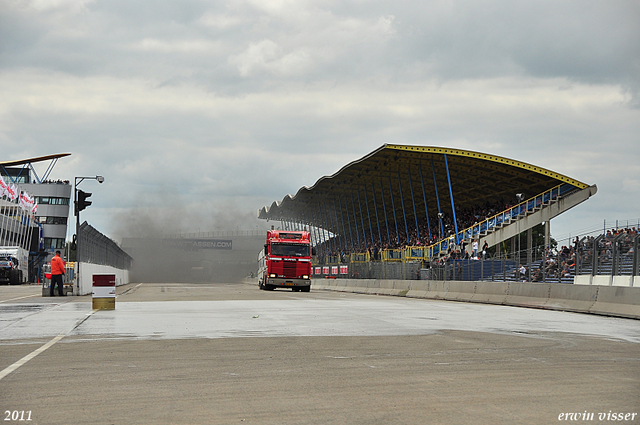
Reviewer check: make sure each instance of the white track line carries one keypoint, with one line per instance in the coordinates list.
(20, 298)
(29, 356)
(33, 354)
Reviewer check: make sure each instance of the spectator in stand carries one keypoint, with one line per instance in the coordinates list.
(522, 273)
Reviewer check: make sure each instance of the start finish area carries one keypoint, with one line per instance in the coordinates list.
(230, 353)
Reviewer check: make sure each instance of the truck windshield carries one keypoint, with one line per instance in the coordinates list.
(287, 250)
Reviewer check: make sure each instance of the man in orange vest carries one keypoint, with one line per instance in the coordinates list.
(57, 271)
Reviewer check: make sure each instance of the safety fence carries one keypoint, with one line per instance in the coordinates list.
(459, 270)
(614, 255)
(96, 248)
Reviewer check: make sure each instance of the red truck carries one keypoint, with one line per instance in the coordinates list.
(285, 261)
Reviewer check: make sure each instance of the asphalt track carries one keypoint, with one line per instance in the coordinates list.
(232, 354)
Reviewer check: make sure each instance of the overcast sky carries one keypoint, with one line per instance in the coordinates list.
(223, 107)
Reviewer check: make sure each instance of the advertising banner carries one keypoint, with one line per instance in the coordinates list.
(195, 244)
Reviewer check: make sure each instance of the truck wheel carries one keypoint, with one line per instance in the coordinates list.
(306, 289)
(14, 277)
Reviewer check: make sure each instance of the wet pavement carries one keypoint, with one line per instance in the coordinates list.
(229, 353)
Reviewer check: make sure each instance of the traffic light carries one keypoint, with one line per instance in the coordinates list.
(82, 202)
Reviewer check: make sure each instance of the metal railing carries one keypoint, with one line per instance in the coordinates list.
(503, 218)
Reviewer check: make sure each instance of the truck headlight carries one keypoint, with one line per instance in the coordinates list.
(305, 276)
(272, 275)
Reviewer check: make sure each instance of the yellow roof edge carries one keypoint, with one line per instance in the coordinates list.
(36, 159)
(489, 157)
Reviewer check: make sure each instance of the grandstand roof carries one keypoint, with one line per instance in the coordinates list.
(476, 179)
(32, 160)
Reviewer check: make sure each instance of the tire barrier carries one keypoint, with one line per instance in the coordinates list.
(618, 301)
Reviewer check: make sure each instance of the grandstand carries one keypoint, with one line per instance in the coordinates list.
(425, 206)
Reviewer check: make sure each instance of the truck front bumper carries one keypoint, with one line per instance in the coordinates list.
(287, 283)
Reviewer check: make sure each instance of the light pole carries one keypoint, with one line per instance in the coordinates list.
(440, 216)
(76, 210)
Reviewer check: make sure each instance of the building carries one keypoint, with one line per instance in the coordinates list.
(53, 199)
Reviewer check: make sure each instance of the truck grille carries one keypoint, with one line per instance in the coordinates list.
(289, 269)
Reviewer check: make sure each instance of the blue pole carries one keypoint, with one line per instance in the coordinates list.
(325, 228)
(317, 223)
(384, 207)
(364, 232)
(406, 228)
(453, 207)
(435, 185)
(375, 207)
(413, 200)
(324, 236)
(355, 220)
(317, 230)
(424, 196)
(346, 204)
(366, 202)
(335, 211)
(393, 207)
(336, 238)
(345, 231)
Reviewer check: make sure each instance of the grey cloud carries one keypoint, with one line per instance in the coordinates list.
(215, 99)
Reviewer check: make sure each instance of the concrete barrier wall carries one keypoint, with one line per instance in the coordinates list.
(620, 301)
(86, 272)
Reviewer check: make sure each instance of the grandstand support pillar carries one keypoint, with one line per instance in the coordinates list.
(435, 185)
(453, 206)
(316, 232)
(424, 196)
(364, 232)
(366, 202)
(336, 229)
(393, 207)
(355, 220)
(375, 207)
(318, 224)
(342, 216)
(384, 207)
(547, 234)
(325, 231)
(327, 225)
(343, 241)
(513, 248)
(413, 201)
(404, 215)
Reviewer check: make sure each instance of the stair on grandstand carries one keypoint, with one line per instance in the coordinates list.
(524, 216)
